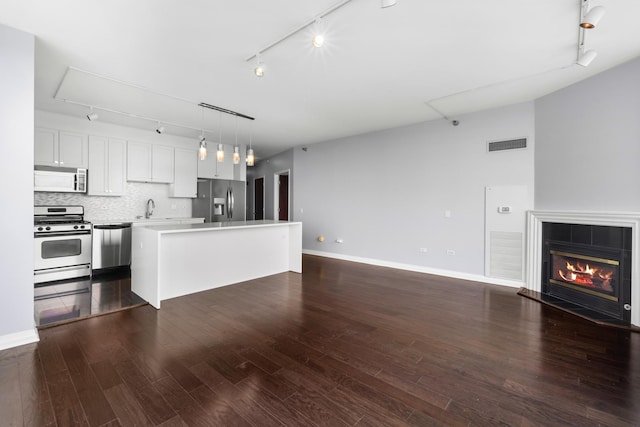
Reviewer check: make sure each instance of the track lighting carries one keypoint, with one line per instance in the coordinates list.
(589, 18)
(202, 152)
(160, 129)
(592, 18)
(586, 58)
(92, 116)
(220, 153)
(387, 3)
(318, 38)
(259, 70)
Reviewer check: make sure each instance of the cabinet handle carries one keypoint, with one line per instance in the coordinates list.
(62, 163)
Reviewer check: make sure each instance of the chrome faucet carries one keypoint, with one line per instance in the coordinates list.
(150, 207)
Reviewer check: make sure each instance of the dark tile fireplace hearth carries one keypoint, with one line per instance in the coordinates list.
(588, 268)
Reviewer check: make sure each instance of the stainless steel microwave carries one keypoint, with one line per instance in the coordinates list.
(60, 180)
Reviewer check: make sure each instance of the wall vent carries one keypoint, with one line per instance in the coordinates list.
(510, 144)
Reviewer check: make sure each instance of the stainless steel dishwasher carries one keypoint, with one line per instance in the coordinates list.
(111, 245)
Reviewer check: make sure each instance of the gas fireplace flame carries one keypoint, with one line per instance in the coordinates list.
(586, 275)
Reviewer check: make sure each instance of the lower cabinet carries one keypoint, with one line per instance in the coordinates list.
(107, 160)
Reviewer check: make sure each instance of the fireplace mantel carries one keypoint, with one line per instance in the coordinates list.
(535, 219)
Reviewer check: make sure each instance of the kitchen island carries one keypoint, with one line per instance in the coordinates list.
(175, 260)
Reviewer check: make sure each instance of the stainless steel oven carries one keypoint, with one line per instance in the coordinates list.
(62, 243)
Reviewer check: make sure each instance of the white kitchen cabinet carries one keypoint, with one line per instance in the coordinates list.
(185, 180)
(210, 168)
(148, 162)
(60, 148)
(106, 166)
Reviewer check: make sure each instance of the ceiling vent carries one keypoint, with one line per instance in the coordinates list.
(510, 144)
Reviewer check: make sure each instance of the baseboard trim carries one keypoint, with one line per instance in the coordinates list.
(419, 269)
(19, 338)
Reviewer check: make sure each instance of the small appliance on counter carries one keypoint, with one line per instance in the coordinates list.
(62, 244)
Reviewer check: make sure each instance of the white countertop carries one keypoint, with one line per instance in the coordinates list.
(212, 226)
(142, 220)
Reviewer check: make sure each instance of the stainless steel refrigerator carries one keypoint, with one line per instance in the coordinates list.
(220, 200)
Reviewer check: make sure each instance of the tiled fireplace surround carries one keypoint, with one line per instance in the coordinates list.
(535, 220)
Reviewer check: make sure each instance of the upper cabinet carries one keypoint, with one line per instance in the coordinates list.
(148, 162)
(186, 180)
(60, 148)
(106, 166)
(212, 169)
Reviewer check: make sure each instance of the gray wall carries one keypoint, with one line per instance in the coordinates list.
(267, 168)
(588, 144)
(385, 193)
(16, 176)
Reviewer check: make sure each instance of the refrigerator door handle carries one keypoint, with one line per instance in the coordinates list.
(233, 202)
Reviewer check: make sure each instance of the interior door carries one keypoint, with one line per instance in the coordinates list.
(283, 197)
(258, 198)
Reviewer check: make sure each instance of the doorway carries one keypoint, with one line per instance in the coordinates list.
(258, 198)
(281, 196)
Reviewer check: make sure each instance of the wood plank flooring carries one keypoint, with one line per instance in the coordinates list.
(343, 344)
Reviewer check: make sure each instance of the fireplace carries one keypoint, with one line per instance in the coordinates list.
(588, 265)
(587, 261)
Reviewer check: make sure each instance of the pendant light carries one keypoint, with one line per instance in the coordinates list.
(236, 149)
(220, 150)
(202, 151)
(250, 157)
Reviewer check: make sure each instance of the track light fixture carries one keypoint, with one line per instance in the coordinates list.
(387, 3)
(591, 19)
(318, 37)
(160, 129)
(586, 58)
(259, 70)
(92, 116)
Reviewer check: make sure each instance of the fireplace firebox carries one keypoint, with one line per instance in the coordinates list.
(588, 266)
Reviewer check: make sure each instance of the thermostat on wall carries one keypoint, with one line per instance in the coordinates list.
(504, 209)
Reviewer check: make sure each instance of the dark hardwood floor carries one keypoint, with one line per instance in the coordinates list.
(61, 302)
(342, 344)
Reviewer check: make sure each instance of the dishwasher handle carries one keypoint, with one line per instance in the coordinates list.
(112, 226)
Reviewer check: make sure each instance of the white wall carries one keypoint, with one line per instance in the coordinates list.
(588, 144)
(16, 191)
(385, 193)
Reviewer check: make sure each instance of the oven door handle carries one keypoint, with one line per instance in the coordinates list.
(63, 234)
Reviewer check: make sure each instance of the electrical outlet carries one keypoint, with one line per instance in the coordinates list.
(423, 250)
(447, 214)
(451, 252)
(173, 206)
(339, 240)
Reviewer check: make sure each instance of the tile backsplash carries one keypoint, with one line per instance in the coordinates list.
(132, 204)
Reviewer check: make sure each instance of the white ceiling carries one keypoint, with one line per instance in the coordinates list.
(378, 69)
